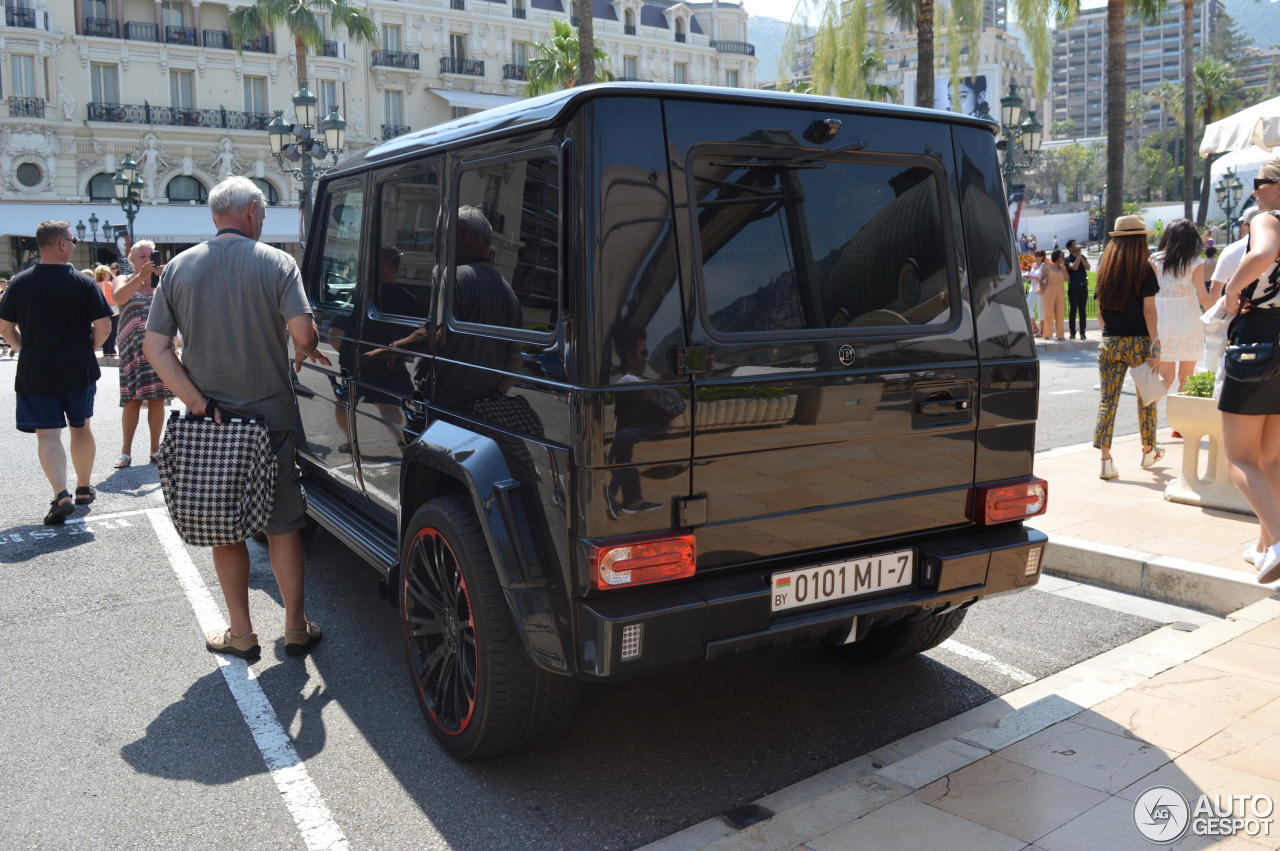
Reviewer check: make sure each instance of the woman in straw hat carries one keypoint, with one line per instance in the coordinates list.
(1251, 410)
(1126, 291)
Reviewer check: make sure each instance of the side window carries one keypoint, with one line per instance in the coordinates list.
(790, 246)
(340, 255)
(520, 200)
(409, 204)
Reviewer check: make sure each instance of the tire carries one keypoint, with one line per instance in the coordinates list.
(480, 695)
(905, 638)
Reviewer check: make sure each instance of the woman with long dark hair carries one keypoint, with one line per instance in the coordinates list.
(1251, 409)
(1126, 290)
(1181, 300)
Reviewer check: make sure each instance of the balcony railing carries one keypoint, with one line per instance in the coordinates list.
(217, 38)
(138, 31)
(513, 72)
(395, 59)
(24, 107)
(629, 29)
(519, 12)
(734, 47)
(102, 27)
(458, 5)
(680, 37)
(261, 44)
(20, 17)
(625, 79)
(180, 35)
(331, 48)
(221, 119)
(390, 131)
(451, 65)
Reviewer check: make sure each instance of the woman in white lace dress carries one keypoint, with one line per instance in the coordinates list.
(1181, 301)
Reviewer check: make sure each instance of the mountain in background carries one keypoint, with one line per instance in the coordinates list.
(768, 35)
(1258, 21)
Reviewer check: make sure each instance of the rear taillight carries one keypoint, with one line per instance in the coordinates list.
(1005, 501)
(624, 564)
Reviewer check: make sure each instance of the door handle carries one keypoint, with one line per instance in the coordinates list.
(943, 406)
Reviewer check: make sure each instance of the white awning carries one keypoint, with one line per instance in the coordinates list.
(161, 223)
(473, 100)
(1259, 125)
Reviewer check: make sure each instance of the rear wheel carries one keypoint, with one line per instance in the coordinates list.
(905, 638)
(479, 693)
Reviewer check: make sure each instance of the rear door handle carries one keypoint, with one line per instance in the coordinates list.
(943, 406)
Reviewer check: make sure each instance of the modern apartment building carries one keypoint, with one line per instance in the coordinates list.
(1153, 54)
(85, 83)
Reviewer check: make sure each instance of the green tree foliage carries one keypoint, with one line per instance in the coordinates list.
(555, 63)
(1075, 168)
(1216, 87)
(299, 17)
(1166, 96)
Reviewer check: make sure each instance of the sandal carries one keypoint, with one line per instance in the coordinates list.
(58, 510)
(86, 495)
(123, 461)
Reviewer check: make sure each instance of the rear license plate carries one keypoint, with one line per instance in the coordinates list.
(840, 580)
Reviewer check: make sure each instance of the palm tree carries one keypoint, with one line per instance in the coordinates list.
(1216, 83)
(920, 14)
(1115, 86)
(1135, 110)
(556, 65)
(586, 43)
(1188, 112)
(872, 64)
(300, 18)
(1164, 96)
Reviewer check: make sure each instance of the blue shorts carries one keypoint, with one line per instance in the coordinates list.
(36, 412)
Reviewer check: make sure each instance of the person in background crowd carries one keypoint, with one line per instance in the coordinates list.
(1230, 257)
(1056, 246)
(105, 280)
(1210, 261)
(138, 380)
(5, 348)
(59, 318)
(1251, 410)
(1077, 287)
(1053, 278)
(1180, 302)
(1126, 288)
(241, 358)
(1035, 302)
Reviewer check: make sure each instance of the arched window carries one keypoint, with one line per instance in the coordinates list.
(267, 189)
(102, 189)
(184, 189)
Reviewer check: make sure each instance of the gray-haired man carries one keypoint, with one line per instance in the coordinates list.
(236, 302)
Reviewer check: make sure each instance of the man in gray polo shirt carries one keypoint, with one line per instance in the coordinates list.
(236, 302)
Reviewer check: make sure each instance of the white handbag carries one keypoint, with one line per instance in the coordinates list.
(1146, 379)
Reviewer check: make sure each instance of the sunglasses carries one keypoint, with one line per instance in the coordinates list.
(1259, 182)
(71, 239)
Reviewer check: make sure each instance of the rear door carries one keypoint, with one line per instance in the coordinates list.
(836, 367)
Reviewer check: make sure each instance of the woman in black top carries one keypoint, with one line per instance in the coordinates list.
(1126, 290)
(1251, 410)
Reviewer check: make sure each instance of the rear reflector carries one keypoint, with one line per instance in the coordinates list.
(642, 562)
(1005, 501)
(1033, 561)
(632, 641)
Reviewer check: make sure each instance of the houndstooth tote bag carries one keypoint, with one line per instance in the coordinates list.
(219, 480)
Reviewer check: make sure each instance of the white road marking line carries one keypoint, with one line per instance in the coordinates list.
(96, 518)
(1015, 674)
(1063, 392)
(319, 831)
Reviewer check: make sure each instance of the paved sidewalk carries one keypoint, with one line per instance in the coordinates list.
(1059, 764)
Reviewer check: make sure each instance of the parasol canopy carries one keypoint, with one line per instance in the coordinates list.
(1258, 125)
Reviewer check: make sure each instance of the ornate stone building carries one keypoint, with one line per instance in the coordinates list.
(85, 83)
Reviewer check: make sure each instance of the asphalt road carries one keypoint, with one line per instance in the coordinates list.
(120, 730)
(1069, 402)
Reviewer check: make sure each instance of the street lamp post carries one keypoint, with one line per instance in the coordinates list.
(296, 143)
(128, 190)
(1229, 191)
(1021, 133)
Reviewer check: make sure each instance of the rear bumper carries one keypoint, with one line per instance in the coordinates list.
(719, 616)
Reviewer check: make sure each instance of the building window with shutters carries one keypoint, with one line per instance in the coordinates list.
(22, 80)
(391, 37)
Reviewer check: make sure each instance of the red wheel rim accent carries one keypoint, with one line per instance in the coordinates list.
(440, 634)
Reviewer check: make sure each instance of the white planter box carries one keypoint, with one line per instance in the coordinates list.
(1196, 418)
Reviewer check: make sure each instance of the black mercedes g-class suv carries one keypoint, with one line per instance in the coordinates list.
(632, 377)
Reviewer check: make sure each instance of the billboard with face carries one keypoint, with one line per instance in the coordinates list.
(973, 96)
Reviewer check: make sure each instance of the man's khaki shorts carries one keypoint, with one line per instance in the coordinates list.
(290, 511)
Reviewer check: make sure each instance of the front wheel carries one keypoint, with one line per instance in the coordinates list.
(905, 638)
(479, 693)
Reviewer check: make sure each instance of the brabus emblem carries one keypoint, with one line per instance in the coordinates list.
(846, 355)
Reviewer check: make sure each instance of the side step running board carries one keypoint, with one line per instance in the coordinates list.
(366, 539)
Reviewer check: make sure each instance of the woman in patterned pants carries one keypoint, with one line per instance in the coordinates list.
(1126, 291)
